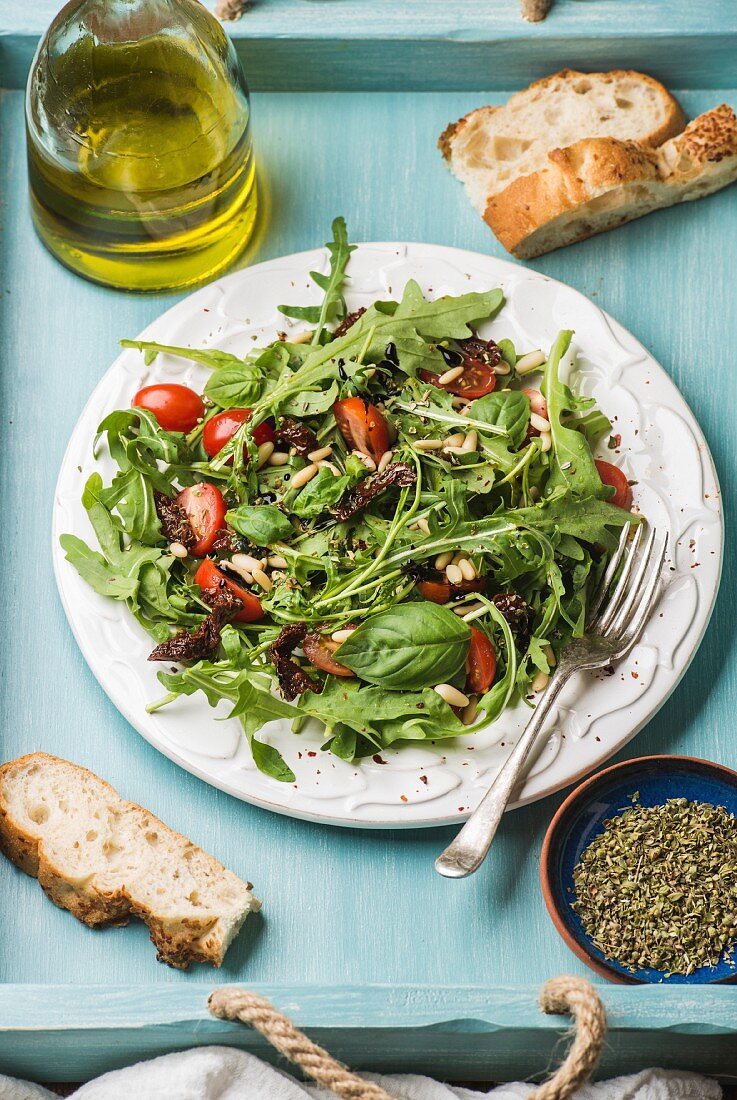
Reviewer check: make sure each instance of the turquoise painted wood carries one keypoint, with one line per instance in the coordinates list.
(432, 44)
(341, 907)
(465, 1031)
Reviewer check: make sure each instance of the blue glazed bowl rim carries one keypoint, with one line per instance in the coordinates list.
(580, 794)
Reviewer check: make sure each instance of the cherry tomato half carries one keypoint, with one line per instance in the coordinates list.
(480, 663)
(538, 405)
(176, 408)
(440, 590)
(211, 579)
(362, 426)
(221, 428)
(205, 508)
(319, 650)
(612, 475)
(478, 378)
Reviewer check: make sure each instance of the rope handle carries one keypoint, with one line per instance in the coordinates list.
(565, 995)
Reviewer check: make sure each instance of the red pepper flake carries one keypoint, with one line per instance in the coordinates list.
(404, 797)
(312, 754)
(378, 760)
(635, 675)
(423, 779)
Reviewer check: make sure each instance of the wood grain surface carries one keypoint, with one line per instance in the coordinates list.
(432, 44)
(340, 906)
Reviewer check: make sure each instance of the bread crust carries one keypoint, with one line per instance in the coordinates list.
(180, 941)
(672, 124)
(599, 183)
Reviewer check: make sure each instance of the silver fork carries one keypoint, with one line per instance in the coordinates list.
(614, 625)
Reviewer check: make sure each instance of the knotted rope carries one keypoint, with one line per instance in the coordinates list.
(238, 1004)
(576, 997)
(560, 996)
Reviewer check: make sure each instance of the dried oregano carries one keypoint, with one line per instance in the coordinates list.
(658, 887)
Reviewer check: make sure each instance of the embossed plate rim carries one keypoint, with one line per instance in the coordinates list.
(470, 786)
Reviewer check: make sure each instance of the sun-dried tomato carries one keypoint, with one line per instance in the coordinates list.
(299, 436)
(197, 644)
(357, 498)
(348, 322)
(173, 520)
(292, 679)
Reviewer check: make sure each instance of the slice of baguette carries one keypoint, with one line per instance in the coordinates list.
(106, 860)
(493, 146)
(598, 183)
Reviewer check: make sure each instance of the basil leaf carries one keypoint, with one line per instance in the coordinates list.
(324, 490)
(261, 524)
(409, 647)
(510, 411)
(234, 386)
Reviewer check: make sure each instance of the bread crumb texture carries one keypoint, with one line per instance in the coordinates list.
(107, 860)
(576, 154)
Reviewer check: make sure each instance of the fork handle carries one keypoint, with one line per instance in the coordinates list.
(469, 849)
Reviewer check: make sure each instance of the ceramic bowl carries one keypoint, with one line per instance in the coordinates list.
(582, 817)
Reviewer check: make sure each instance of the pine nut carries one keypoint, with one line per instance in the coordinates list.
(457, 557)
(241, 570)
(469, 713)
(450, 375)
(550, 655)
(276, 561)
(502, 368)
(367, 460)
(467, 569)
(530, 362)
(429, 444)
(264, 453)
(460, 402)
(443, 559)
(534, 493)
(423, 526)
(303, 338)
(369, 374)
(303, 476)
(464, 609)
(456, 440)
(245, 561)
(278, 458)
(384, 461)
(321, 452)
(540, 682)
(452, 696)
(453, 573)
(539, 422)
(471, 442)
(178, 550)
(323, 464)
(262, 579)
(341, 636)
(455, 451)
(546, 441)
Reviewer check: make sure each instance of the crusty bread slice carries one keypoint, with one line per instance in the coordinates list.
(599, 183)
(493, 146)
(105, 860)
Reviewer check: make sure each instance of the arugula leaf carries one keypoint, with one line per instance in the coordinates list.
(207, 357)
(130, 494)
(573, 464)
(261, 524)
(407, 648)
(333, 304)
(116, 571)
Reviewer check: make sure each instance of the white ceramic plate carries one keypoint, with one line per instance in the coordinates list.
(662, 450)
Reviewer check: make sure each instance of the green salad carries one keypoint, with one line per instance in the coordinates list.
(382, 525)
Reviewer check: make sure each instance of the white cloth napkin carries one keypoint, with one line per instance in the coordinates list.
(220, 1073)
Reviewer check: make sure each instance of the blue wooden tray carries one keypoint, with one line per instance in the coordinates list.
(355, 924)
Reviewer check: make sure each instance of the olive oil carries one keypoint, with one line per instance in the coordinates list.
(140, 158)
